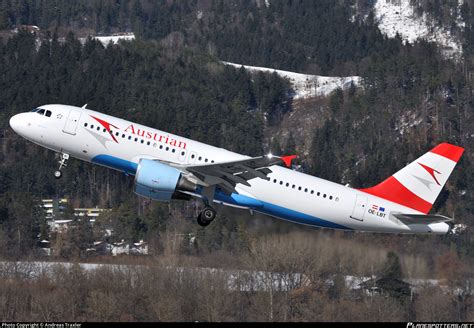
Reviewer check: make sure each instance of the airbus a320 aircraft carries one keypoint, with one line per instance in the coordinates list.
(168, 166)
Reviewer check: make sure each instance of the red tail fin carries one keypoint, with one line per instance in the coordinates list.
(418, 184)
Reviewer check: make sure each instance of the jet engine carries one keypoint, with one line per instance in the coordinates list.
(161, 182)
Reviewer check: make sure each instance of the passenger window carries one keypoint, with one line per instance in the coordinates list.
(48, 113)
(299, 188)
(173, 150)
(92, 126)
(85, 124)
(148, 143)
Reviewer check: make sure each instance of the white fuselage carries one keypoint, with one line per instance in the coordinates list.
(290, 195)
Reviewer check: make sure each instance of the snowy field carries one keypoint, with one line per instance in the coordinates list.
(398, 16)
(306, 85)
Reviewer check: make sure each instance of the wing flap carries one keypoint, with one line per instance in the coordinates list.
(227, 175)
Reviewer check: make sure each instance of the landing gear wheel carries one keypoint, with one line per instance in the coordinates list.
(207, 215)
(62, 163)
(58, 174)
(201, 222)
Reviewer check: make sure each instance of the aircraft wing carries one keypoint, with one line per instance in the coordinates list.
(227, 175)
(421, 218)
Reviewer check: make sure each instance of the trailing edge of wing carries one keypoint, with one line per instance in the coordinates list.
(227, 175)
(421, 218)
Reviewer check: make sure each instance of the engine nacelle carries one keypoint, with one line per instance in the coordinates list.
(159, 181)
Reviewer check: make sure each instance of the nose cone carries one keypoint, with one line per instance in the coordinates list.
(18, 123)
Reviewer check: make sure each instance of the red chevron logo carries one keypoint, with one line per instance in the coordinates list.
(431, 172)
(107, 126)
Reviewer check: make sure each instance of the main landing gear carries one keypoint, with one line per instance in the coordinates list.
(208, 214)
(62, 163)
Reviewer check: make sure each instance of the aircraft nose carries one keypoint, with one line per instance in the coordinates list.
(17, 123)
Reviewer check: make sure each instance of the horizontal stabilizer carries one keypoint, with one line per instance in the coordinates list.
(421, 218)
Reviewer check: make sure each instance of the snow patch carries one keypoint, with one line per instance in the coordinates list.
(407, 122)
(398, 16)
(306, 85)
(115, 38)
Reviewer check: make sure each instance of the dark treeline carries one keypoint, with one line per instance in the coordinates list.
(308, 36)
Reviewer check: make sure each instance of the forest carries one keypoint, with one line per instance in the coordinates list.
(171, 77)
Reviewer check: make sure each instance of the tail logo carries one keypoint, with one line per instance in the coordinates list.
(431, 172)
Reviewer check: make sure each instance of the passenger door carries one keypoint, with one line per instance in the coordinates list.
(71, 122)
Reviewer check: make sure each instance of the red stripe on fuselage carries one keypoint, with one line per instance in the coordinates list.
(452, 152)
(391, 189)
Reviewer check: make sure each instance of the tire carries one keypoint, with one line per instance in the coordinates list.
(201, 222)
(208, 213)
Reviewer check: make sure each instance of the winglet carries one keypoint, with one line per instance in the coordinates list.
(287, 159)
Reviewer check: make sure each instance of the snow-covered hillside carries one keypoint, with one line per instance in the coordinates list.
(105, 40)
(306, 85)
(398, 16)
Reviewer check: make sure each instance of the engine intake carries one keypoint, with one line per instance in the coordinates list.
(159, 181)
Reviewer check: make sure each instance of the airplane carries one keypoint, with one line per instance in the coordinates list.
(166, 166)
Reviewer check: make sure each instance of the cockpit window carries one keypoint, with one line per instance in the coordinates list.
(48, 113)
(41, 111)
(34, 110)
